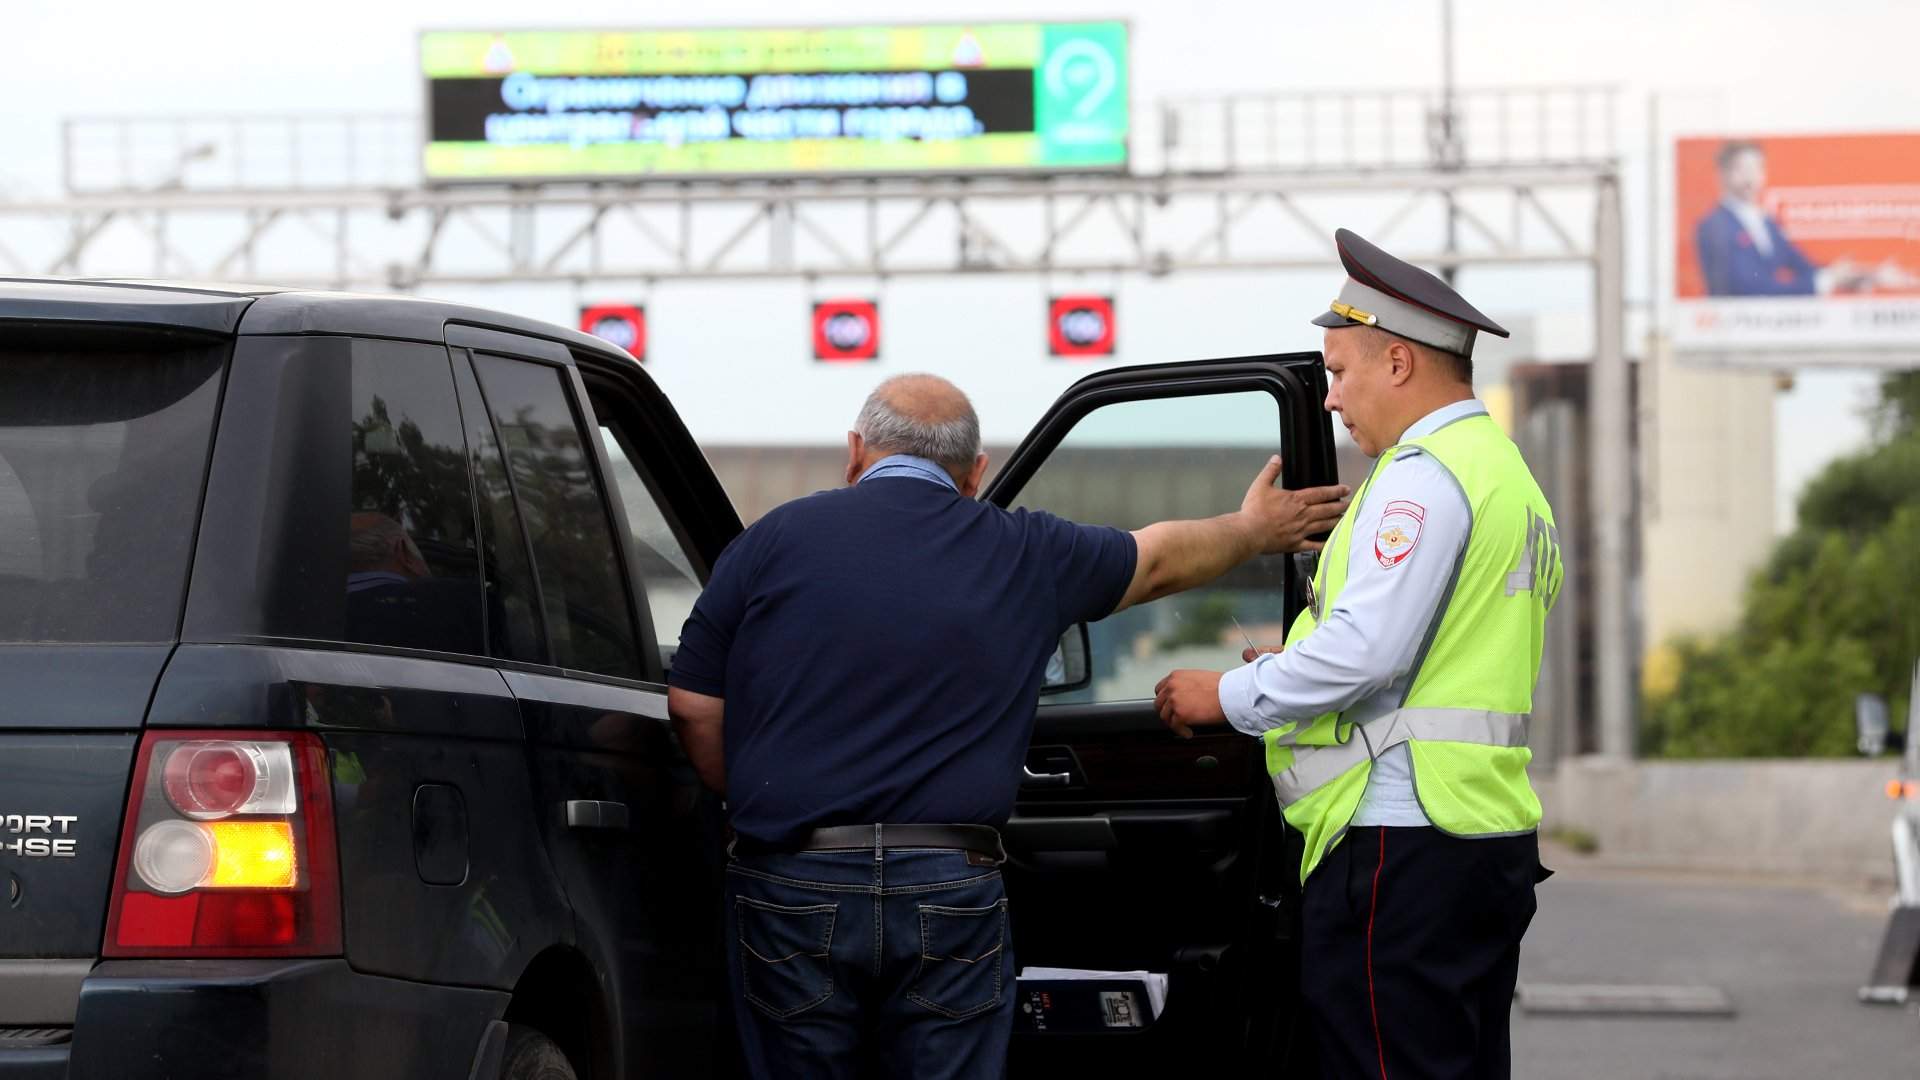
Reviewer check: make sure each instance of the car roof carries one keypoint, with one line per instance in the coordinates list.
(262, 309)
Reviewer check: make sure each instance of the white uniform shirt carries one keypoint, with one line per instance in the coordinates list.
(1408, 534)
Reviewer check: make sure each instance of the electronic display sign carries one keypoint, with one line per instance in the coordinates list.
(863, 101)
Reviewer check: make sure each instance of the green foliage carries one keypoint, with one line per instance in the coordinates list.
(1574, 839)
(1835, 613)
(1201, 619)
(1900, 404)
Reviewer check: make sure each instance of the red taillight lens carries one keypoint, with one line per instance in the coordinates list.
(209, 779)
(228, 849)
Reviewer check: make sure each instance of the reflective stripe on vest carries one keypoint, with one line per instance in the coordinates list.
(1317, 765)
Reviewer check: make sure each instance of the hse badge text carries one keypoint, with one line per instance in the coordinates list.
(40, 836)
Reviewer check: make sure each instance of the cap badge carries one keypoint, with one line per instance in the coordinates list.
(1348, 311)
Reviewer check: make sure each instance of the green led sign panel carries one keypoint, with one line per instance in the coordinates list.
(848, 101)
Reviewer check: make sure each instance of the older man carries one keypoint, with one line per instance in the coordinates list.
(859, 679)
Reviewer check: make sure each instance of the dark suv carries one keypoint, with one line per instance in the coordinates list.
(333, 738)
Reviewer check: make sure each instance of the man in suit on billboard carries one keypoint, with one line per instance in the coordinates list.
(1742, 249)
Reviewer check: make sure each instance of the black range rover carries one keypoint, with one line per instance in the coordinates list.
(333, 739)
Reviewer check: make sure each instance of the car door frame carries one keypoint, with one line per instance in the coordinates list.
(631, 713)
(1297, 381)
(1304, 462)
(691, 497)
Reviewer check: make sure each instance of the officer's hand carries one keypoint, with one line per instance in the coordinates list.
(1282, 519)
(1249, 654)
(1188, 699)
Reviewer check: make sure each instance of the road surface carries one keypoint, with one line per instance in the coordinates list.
(1790, 956)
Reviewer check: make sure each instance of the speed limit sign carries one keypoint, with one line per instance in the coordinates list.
(846, 331)
(624, 325)
(1080, 326)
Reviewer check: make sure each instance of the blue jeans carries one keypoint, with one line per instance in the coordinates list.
(896, 963)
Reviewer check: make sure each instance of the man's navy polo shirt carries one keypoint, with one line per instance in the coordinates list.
(880, 648)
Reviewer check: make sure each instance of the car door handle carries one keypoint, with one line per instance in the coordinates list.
(1031, 779)
(596, 814)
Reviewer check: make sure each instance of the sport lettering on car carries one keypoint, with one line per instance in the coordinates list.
(1399, 532)
(28, 845)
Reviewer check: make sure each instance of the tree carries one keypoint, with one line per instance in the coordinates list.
(1834, 613)
(1202, 619)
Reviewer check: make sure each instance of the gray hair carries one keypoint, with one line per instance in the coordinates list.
(372, 538)
(952, 439)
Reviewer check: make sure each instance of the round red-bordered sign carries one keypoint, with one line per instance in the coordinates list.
(624, 325)
(846, 331)
(1080, 326)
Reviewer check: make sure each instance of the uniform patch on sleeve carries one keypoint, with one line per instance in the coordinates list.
(1399, 532)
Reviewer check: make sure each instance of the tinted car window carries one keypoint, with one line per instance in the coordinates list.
(513, 605)
(663, 567)
(412, 564)
(589, 621)
(1132, 463)
(103, 451)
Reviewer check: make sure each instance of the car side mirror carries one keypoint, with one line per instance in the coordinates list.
(1872, 725)
(1071, 665)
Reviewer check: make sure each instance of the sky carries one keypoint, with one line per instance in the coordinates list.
(1714, 66)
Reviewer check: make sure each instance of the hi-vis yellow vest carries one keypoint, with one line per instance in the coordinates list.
(1464, 718)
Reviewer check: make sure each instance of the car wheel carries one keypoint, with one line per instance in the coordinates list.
(530, 1055)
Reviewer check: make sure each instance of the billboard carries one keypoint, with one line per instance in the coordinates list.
(846, 331)
(1807, 243)
(1080, 326)
(873, 100)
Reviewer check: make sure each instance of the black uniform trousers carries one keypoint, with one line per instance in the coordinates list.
(1411, 950)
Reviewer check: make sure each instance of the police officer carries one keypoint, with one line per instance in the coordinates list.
(1395, 719)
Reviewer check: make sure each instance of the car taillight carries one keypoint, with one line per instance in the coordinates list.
(210, 779)
(228, 849)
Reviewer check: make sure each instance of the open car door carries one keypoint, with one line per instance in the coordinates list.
(1131, 849)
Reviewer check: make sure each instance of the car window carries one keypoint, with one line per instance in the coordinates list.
(103, 453)
(589, 621)
(661, 562)
(1133, 463)
(412, 572)
(512, 600)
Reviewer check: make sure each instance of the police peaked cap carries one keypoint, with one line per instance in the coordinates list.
(1402, 299)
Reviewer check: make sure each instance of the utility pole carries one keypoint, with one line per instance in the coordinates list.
(1446, 141)
(1610, 494)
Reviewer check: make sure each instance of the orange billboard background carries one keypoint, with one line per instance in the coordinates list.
(1836, 197)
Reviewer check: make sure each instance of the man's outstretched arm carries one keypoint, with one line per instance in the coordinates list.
(1372, 636)
(1178, 555)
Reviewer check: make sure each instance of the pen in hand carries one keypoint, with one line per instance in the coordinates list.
(1245, 636)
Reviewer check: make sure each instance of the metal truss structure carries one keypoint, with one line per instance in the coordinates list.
(1518, 177)
(1243, 183)
(1110, 224)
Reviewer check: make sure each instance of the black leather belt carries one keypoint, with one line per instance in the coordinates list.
(982, 840)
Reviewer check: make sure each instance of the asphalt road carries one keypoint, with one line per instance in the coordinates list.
(1790, 956)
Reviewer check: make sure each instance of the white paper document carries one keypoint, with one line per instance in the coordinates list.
(1154, 981)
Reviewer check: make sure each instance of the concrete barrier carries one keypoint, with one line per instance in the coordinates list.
(1820, 818)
